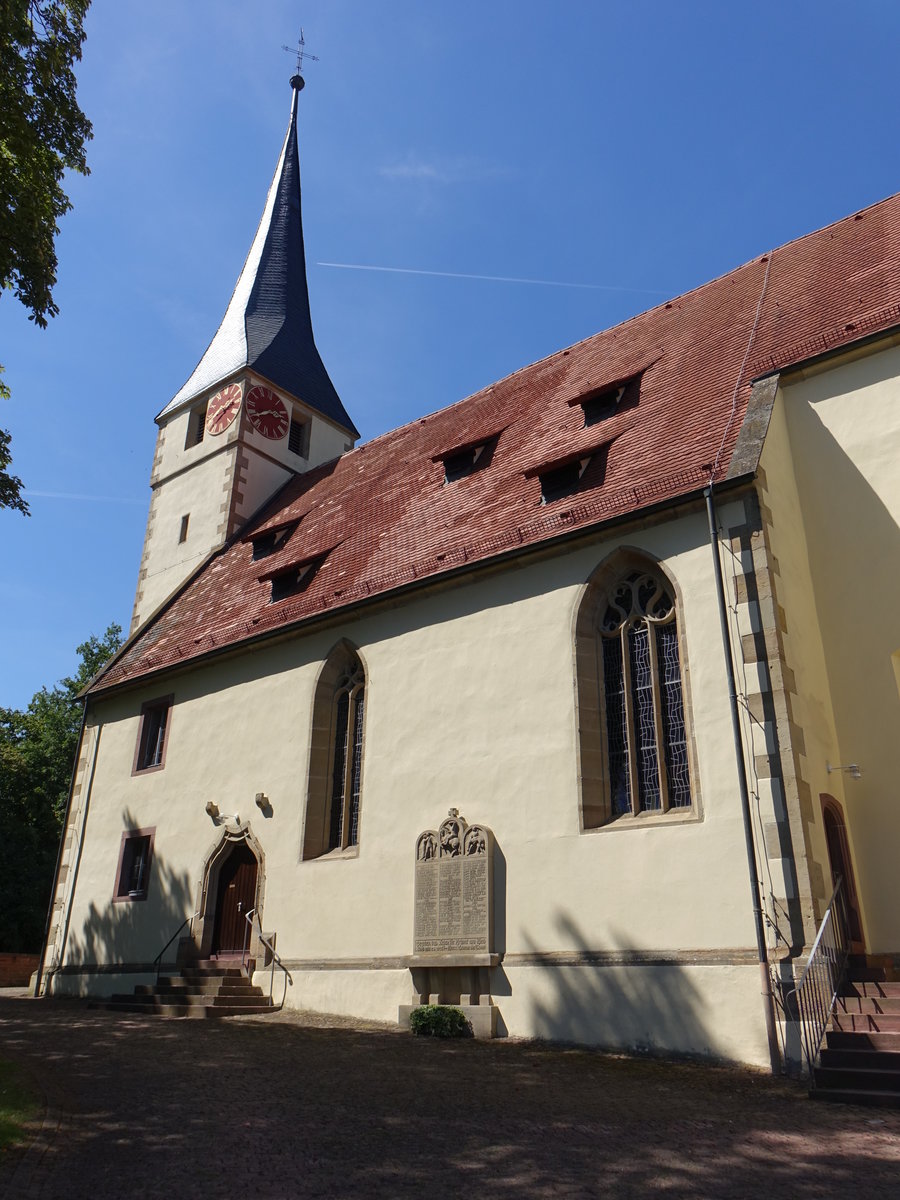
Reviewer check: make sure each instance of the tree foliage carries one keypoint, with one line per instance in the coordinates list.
(10, 485)
(37, 751)
(42, 135)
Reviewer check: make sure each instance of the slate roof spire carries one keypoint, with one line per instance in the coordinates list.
(267, 324)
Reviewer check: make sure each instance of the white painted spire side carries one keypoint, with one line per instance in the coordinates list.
(227, 352)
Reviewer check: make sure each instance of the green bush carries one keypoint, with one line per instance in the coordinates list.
(439, 1020)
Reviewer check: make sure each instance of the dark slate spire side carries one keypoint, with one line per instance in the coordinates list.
(280, 341)
(267, 323)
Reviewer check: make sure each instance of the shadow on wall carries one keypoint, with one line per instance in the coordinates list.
(645, 1006)
(133, 932)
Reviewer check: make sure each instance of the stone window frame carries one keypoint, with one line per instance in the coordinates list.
(299, 433)
(129, 837)
(166, 703)
(595, 801)
(196, 426)
(316, 840)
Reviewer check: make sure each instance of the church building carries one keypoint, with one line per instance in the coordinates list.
(570, 703)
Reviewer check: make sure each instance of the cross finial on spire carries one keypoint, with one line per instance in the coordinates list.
(301, 53)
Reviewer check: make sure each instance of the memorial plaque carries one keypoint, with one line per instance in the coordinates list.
(453, 889)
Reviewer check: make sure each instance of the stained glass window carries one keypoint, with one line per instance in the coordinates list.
(646, 741)
(346, 759)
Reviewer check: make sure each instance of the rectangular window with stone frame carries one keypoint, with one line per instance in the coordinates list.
(133, 869)
(153, 735)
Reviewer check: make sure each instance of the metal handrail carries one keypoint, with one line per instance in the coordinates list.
(251, 917)
(157, 962)
(823, 975)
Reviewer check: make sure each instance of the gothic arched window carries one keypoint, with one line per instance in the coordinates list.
(346, 758)
(634, 741)
(336, 755)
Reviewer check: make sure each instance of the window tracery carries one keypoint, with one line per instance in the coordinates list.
(634, 745)
(645, 728)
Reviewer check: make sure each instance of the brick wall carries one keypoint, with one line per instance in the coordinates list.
(17, 969)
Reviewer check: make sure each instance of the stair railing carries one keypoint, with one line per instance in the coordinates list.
(157, 962)
(252, 918)
(823, 975)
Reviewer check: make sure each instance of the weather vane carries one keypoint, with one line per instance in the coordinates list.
(301, 53)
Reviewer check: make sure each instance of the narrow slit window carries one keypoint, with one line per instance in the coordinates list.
(298, 436)
(183, 532)
(196, 427)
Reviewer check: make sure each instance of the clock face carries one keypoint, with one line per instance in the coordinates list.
(266, 413)
(223, 408)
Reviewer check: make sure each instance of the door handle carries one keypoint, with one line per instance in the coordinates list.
(240, 902)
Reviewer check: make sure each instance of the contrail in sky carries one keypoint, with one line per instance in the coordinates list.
(600, 287)
(79, 496)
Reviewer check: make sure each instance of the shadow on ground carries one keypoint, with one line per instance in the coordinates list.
(269, 1108)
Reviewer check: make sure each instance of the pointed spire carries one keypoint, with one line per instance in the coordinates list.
(267, 324)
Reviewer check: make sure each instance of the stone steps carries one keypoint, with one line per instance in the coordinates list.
(837, 1039)
(201, 991)
(884, 1005)
(866, 1022)
(873, 988)
(860, 1063)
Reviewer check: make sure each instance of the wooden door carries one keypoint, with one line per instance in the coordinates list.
(236, 895)
(839, 857)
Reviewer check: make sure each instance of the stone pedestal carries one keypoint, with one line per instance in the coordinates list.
(453, 951)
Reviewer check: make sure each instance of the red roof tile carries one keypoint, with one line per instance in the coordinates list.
(391, 519)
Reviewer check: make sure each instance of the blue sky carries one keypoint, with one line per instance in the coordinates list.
(634, 149)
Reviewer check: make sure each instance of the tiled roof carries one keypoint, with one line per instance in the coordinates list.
(388, 519)
(267, 324)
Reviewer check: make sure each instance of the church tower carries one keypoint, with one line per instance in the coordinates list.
(258, 408)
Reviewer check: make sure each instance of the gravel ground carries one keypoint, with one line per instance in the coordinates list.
(298, 1105)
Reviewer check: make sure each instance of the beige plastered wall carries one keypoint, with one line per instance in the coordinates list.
(626, 937)
(832, 486)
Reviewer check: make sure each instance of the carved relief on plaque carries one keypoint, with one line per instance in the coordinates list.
(451, 834)
(475, 840)
(453, 888)
(426, 846)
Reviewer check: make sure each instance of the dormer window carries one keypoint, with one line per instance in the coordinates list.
(196, 427)
(465, 460)
(270, 540)
(295, 579)
(600, 405)
(298, 435)
(581, 468)
(563, 480)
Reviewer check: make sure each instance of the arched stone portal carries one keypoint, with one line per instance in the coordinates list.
(842, 866)
(233, 884)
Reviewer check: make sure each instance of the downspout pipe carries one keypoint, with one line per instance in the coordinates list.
(752, 868)
(59, 853)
